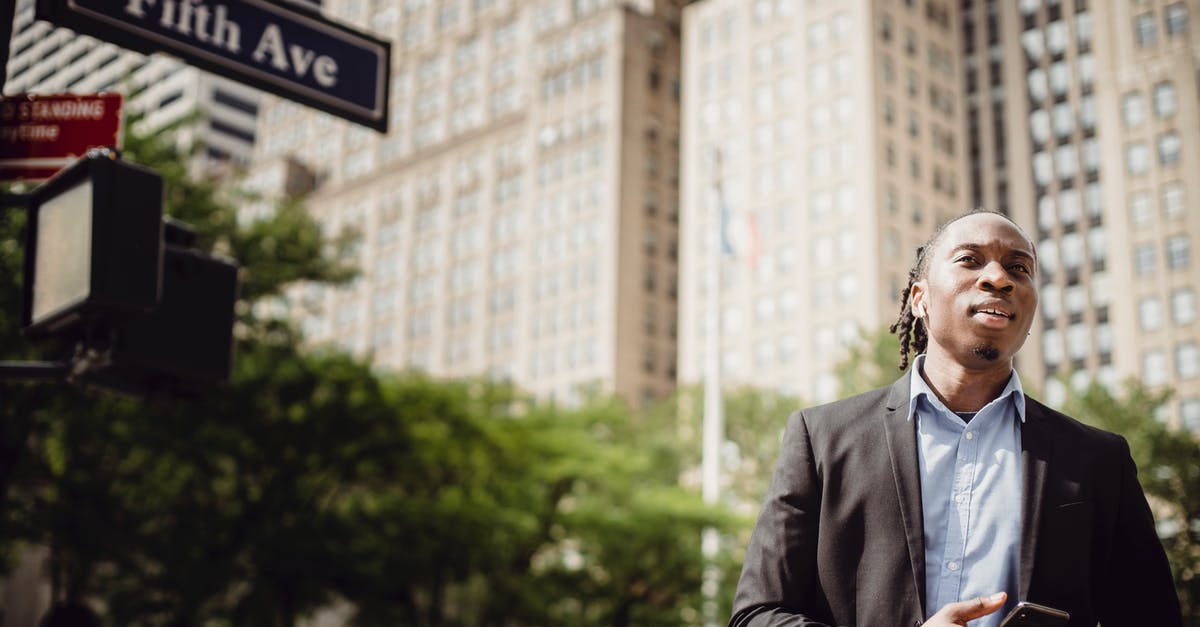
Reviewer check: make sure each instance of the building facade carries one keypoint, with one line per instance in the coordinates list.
(1084, 117)
(838, 130)
(519, 218)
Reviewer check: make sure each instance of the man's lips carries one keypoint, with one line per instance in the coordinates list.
(993, 315)
(993, 311)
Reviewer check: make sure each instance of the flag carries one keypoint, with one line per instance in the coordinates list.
(739, 234)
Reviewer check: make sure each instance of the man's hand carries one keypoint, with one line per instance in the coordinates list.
(963, 611)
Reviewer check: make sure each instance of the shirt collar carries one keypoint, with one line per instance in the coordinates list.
(917, 387)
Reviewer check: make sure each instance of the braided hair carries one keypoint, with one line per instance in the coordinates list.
(914, 337)
(910, 328)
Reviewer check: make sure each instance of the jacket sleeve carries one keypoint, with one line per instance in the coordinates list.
(1137, 589)
(778, 583)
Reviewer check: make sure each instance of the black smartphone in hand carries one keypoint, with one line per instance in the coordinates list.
(1027, 614)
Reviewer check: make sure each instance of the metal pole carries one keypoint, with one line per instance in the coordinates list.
(713, 428)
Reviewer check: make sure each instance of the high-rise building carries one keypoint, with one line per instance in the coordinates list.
(1083, 121)
(44, 59)
(519, 218)
(836, 128)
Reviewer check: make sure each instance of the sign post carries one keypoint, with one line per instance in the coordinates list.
(40, 135)
(278, 47)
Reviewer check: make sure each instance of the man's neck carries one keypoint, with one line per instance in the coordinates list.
(962, 388)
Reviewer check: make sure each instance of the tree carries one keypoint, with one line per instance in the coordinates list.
(311, 477)
(754, 420)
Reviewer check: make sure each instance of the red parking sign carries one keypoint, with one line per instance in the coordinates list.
(41, 134)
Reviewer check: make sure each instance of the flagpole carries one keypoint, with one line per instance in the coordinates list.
(712, 428)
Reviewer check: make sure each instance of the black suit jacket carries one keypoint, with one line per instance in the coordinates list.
(840, 539)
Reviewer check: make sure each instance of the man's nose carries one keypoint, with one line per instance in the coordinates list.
(993, 276)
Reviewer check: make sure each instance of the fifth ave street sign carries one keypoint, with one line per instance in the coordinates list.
(280, 47)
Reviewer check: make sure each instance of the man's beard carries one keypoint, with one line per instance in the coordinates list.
(990, 353)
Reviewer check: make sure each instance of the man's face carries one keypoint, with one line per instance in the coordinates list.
(978, 296)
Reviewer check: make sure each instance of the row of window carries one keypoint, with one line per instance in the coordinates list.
(1163, 96)
(1152, 313)
(1145, 25)
(1177, 250)
(1137, 154)
(1172, 203)
(1156, 367)
(1080, 341)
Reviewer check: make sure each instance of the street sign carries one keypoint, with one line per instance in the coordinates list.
(40, 135)
(281, 47)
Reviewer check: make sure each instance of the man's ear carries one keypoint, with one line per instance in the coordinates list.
(916, 299)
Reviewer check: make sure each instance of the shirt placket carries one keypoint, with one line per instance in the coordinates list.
(958, 524)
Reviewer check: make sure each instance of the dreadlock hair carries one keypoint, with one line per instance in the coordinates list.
(914, 338)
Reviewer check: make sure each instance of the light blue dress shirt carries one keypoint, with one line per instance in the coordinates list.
(970, 496)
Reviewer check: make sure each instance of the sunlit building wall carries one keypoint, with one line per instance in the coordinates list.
(837, 126)
(1084, 119)
(519, 218)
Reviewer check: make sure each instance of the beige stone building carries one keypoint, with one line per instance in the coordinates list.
(519, 218)
(839, 130)
(1085, 119)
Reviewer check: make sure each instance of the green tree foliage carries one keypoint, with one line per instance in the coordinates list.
(1165, 457)
(310, 478)
(872, 362)
(754, 420)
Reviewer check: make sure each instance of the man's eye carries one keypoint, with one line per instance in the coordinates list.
(966, 259)
(1020, 267)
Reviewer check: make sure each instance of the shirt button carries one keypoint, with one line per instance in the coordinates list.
(970, 435)
(961, 498)
(952, 565)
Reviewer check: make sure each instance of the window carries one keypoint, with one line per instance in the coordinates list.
(1178, 252)
(818, 35)
(1037, 84)
(1056, 37)
(1052, 347)
(1154, 367)
(1189, 413)
(1140, 208)
(1051, 301)
(1043, 171)
(1034, 43)
(1150, 314)
(1183, 306)
(1169, 146)
(1137, 158)
(1165, 99)
(1176, 18)
(1187, 360)
(1066, 159)
(1144, 259)
(1133, 109)
(1173, 201)
(1060, 78)
(1145, 30)
(1064, 121)
(1039, 126)
(1072, 250)
(1078, 342)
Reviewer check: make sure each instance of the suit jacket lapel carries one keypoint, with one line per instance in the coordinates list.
(1036, 446)
(902, 446)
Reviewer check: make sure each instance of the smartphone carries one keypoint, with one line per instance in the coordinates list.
(1027, 614)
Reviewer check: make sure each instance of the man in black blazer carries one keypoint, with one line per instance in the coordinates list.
(950, 496)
